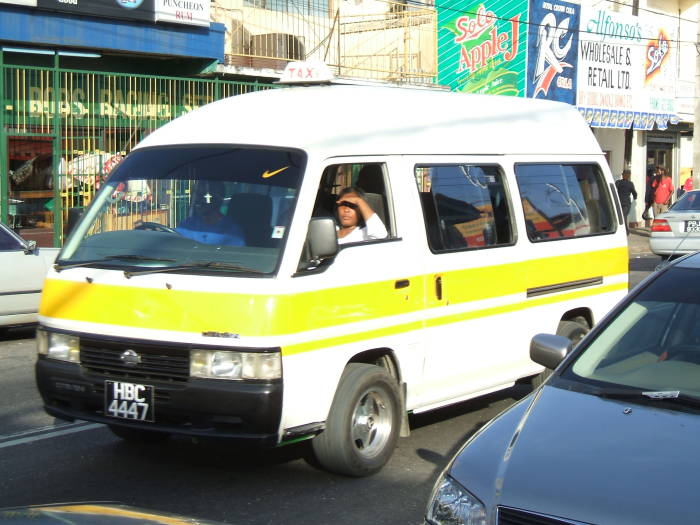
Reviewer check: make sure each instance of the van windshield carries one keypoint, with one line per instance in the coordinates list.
(183, 208)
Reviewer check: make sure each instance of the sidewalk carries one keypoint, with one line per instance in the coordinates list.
(638, 241)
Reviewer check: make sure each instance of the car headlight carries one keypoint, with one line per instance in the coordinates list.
(452, 504)
(226, 364)
(58, 346)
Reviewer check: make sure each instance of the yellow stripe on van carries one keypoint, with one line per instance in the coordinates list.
(465, 316)
(279, 314)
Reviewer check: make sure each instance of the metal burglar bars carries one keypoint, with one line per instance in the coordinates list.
(64, 130)
(379, 40)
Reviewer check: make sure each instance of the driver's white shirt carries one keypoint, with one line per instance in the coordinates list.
(374, 229)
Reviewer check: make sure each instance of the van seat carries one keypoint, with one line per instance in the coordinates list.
(253, 213)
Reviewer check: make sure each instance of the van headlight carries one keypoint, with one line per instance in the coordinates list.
(452, 504)
(226, 364)
(61, 347)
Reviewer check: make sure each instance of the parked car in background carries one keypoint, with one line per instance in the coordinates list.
(610, 437)
(23, 268)
(677, 231)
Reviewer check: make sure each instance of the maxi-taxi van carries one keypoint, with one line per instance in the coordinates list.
(321, 261)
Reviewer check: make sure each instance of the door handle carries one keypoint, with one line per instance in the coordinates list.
(438, 288)
(402, 283)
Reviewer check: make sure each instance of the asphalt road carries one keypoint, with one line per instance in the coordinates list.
(43, 461)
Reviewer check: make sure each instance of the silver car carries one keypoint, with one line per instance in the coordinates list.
(23, 267)
(610, 438)
(677, 231)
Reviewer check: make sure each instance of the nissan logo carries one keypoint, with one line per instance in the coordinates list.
(130, 358)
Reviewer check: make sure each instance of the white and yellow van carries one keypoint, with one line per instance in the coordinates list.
(502, 222)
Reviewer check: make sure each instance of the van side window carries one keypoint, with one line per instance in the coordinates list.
(564, 201)
(369, 177)
(464, 206)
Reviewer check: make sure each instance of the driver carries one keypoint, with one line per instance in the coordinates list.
(206, 223)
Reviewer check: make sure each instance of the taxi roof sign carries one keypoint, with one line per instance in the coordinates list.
(307, 72)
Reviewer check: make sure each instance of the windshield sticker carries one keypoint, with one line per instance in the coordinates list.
(278, 232)
(268, 174)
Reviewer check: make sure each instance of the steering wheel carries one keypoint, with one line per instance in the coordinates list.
(684, 352)
(155, 226)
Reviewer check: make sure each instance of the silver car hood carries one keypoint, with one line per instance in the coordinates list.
(589, 459)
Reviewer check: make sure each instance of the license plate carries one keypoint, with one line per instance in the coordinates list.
(129, 401)
(692, 226)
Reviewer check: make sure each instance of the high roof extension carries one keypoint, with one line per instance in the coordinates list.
(370, 120)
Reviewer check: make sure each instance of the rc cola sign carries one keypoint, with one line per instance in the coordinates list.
(553, 50)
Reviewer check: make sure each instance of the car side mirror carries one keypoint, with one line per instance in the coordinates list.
(322, 238)
(29, 247)
(549, 350)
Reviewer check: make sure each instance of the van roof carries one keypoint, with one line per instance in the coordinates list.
(336, 120)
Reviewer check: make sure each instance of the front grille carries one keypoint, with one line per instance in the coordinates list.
(157, 363)
(511, 516)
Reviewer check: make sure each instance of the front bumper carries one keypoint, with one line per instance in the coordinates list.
(243, 410)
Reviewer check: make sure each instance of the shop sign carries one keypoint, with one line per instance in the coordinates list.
(625, 73)
(30, 3)
(110, 103)
(116, 9)
(190, 12)
(552, 48)
(481, 46)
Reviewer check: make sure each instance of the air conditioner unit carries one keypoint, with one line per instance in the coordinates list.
(267, 48)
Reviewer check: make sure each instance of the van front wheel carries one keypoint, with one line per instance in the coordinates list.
(574, 330)
(363, 423)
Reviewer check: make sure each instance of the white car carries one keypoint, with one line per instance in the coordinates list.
(677, 231)
(23, 269)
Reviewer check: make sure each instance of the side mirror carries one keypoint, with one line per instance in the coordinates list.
(322, 238)
(29, 247)
(549, 350)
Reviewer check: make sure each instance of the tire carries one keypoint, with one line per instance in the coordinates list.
(573, 330)
(363, 424)
(137, 435)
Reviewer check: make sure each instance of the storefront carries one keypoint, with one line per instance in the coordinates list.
(59, 143)
(621, 70)
(66, 120)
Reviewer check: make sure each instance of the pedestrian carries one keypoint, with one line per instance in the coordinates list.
(663, 191)
(687, 186)
(626, 190)
(649, 192)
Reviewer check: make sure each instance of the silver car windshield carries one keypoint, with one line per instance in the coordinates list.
(191, 208)
(654, 343)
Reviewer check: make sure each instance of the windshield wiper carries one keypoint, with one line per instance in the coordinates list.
(673, 396)
(217, 265)
(58, 267)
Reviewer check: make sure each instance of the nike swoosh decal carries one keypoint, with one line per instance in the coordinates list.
(268, 174)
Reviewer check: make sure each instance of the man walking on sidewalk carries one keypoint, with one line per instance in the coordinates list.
(625, 189)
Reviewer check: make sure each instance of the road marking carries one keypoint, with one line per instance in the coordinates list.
(37, 434)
